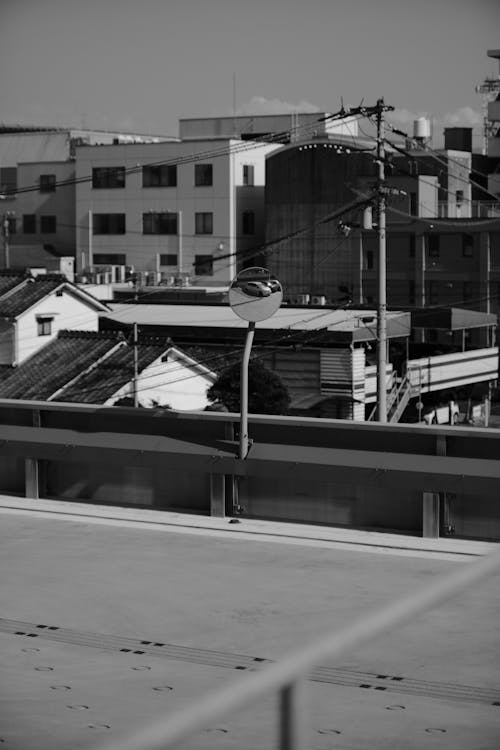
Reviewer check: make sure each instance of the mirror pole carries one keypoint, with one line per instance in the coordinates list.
(244, 391)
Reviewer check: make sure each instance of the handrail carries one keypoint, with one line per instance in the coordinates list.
(288, 675)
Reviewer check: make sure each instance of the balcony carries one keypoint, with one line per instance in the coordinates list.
(469, 210)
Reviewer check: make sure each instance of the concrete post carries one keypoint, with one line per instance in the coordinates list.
(217, 495)
(31, 467)
(430, 515)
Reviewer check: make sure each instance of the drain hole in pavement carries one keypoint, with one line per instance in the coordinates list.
(139, 669)
(395, 708)
(329, 731)
(381, 676)
(496, 703)
(78, 708)
(379, 687)
(19, 632)
(158, 644)
(138, 652)
(258, 658)
(240, 667)
(53, 627)
(99, 726)
(436, 730)
(27, 650)
(217, 729)
(42, 626)
(32, 635)
(397, 678)
(146, 643)
(365, 686)
(60, 687)
(44, 669)
(164, 688)
(126, 650)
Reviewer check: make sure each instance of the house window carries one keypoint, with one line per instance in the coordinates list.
(433, 245)
(109, 259)
(369, 260)
(163, 175)
(203, 175)
(248, 222)
(47, 183)
(155, 222)
(108, 223)
(48, 224)
(203, 265)
(467, 245)
(170, 259)
(108, 177)
(248, 174)
(204, 223)
(29, 224)
(44, 326)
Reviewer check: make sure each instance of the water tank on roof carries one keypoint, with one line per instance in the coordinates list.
(422, 129)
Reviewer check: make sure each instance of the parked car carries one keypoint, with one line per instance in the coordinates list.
(442, 414)
(255, 289)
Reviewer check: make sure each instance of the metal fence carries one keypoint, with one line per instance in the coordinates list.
(289, 676)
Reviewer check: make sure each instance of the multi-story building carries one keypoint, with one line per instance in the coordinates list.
(184, 210)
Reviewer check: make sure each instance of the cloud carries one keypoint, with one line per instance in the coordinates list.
(259, 105)
(462, 117)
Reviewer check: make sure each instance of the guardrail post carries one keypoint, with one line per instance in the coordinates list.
(31, 467)
(430, 515)
(293, 716)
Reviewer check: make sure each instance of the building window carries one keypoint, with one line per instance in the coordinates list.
(48, 224)
(412, 245)
(109, 259)
(248, 222)
(108, 177)
(108, 223)
(433, 292)
(170, 259)
(47, 183)
(8, 180)
(413, 204)
(203, 175)
(156, 222)
(203, 265)
(433, 245)
(467, 245)
(44, 326)
(368, 260)
(248, 174)
(163, 175)
(29, 224)
(204, 223)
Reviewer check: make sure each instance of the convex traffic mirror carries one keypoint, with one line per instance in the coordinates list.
(255, 294)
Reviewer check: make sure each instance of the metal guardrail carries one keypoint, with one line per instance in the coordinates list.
(289, 676)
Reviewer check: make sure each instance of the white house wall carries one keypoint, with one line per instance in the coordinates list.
(67, 312)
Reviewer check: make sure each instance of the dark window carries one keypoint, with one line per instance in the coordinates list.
(467, 245)
(369, 260)
(163, 175)
(412, 245)
(108, 223)
(159, 222)
(170, 259)
(8, 180)
(433, 292)
(248, 222)
(48, 224)
(44, 326)
(433, 245)
(29, 223)
(248, 174)
(203, 265)
(204, 223)
(108, 177)
(109, 259)
(203, 175)
(47, 183)
(413, 204)
(459, 197)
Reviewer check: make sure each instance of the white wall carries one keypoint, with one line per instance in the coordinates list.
(68, 312)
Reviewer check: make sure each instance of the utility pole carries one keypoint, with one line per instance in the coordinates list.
(382, 262)
(136, 356)
(7, 217)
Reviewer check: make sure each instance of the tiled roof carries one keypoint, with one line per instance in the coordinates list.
(9, 280)
(113, 372)
(59, 362)
(29, 294)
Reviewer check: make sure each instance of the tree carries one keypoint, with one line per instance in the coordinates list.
(267, 394)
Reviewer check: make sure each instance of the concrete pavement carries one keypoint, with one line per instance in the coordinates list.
(214, 591)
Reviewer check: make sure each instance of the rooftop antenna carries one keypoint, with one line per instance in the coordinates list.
(489, 88)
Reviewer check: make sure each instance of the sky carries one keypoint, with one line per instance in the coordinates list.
(141, 65)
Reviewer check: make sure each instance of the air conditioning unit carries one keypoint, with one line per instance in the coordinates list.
(301, 299)
(318, 299)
